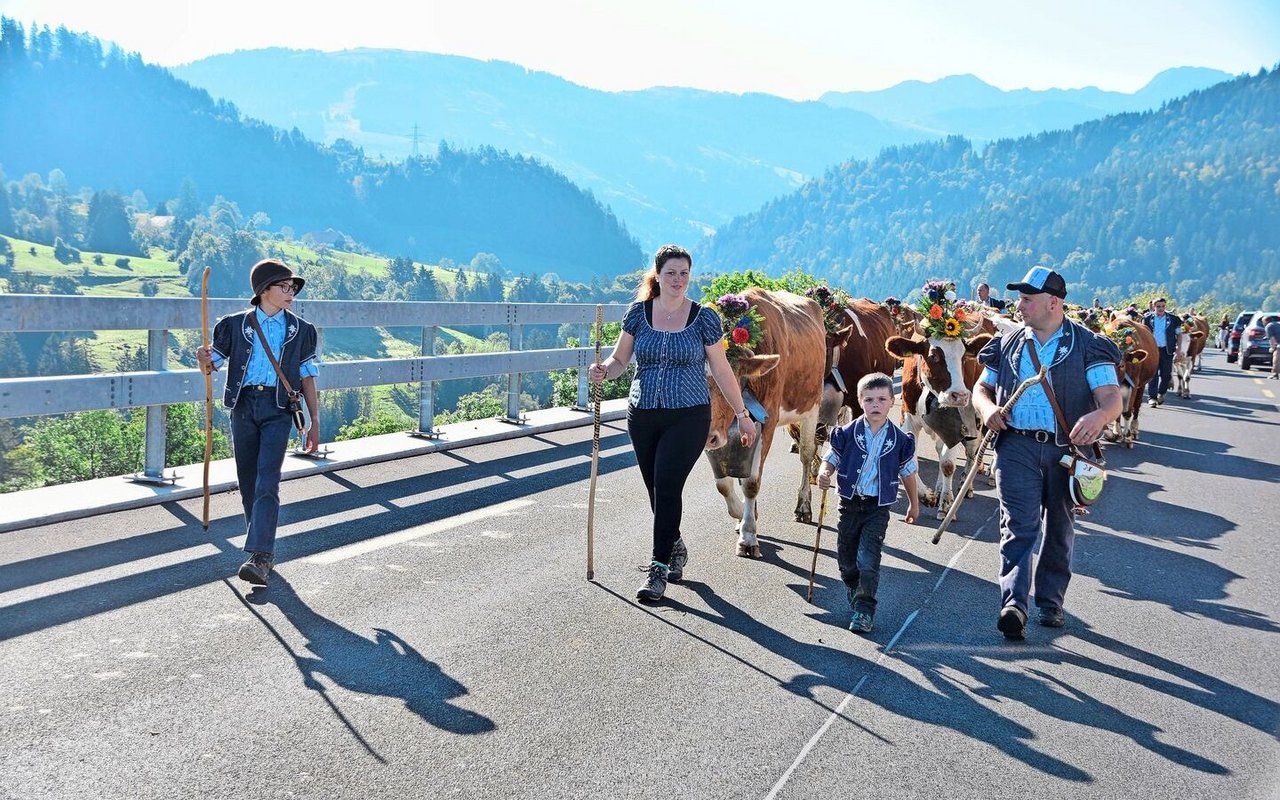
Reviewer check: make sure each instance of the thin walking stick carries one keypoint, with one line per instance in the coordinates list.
(817, 542)
(976, 462)
(597, 391)
(208, 391)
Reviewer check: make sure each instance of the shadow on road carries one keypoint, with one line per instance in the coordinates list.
(496, 481)
(387, 665)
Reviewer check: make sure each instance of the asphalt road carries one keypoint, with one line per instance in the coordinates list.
(431, 633)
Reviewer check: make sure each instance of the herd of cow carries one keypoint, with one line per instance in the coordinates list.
(805, 371)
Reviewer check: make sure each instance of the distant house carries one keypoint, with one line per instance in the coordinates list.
(155, 222)
(328, 236)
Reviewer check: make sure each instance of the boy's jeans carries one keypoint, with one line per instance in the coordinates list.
(859, 537)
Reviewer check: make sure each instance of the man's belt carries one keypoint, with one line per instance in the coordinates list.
(1043, 437)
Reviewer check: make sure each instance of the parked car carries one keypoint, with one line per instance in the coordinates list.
(1255, 347)
(1237, 330)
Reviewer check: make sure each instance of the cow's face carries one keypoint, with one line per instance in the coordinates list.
(723, 414)
(941, 364)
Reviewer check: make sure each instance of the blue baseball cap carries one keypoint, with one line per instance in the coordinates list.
(1041, 280)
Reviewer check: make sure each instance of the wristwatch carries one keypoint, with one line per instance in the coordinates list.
(743, 414)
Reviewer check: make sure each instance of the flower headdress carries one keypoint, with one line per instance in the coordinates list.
(943, 318)
(833, 303)
(1122, 337)
(742, 324)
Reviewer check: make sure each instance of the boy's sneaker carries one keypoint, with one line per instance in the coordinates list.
(679, 557)
(656, 585)
(861, 622)
(256, 569)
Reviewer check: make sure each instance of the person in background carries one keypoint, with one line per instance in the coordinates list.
(676, 342)
(260, 417)
(1035, 499)
(985, 298)
(869, 455)
(1272, 330)
(1167, 328)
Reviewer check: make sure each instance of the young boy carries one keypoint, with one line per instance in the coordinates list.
(871, 455)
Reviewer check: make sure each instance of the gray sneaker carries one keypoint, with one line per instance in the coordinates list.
(861, 622)
(256, 569)
(679, 557)
(656, 585)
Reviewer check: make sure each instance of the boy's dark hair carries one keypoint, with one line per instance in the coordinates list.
(875, 380)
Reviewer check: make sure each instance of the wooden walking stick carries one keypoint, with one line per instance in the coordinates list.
(208, 390)
(817, 542)
(597, 391)
(982, 446)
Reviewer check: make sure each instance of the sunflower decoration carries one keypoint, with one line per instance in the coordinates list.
(742, 324)
(833, 303)
(942, 316)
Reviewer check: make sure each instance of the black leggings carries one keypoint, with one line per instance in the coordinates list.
(667, 442)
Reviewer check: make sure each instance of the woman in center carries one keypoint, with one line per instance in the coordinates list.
(676, 342)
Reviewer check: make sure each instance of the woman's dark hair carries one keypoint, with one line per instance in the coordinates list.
(649, 287)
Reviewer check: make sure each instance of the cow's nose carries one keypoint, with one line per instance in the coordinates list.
(957, 398)
(714, 441)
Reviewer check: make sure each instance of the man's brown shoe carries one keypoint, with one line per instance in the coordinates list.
(256, 569)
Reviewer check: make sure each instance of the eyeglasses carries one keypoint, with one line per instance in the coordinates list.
(287, 287)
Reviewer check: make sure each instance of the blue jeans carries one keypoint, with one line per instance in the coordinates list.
(667, 442)
(259, 437)
(1163, 378)
(1034, 500)
(859, 539)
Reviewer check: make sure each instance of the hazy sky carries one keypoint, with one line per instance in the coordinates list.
(793, 48)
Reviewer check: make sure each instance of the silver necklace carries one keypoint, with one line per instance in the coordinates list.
(673, 313)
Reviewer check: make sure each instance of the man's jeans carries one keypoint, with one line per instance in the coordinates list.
(1164, 376)
(259, 436)
(1033, 496)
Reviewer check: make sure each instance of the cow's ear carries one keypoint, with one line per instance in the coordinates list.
(974, 346)
(755, 366)
(841, 337)
(1137, 356)
(901, 347)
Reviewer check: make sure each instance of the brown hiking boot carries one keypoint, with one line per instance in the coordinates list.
(256, 569)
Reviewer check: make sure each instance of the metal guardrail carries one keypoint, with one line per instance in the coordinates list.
(159, 387)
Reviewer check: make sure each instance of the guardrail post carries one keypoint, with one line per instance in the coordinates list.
(515, 332)
(584, 400)
(157, 416)
(427, 392)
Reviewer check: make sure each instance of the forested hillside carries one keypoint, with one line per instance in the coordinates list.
(1186, 197)
(106, 119)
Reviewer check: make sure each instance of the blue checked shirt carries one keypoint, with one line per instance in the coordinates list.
(1032, 412)
(260, 370)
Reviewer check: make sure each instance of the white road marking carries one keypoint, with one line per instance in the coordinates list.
(813, 740)
(400, 537)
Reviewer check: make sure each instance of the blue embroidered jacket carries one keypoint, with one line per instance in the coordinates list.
(848, 444)
(233, 342)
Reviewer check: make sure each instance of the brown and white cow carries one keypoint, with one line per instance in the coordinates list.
(856, 351)
(785, 375)
(937, 382)
(1195, 335)
(1138, 364)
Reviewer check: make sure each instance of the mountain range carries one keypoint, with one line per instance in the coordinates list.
(674, 164)
(1184, 200)
(964, 105)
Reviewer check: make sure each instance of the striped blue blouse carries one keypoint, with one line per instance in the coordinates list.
(671, 365)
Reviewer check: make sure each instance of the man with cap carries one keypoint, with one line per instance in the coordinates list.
(260, 417)
(1035, 499)
(1167, 328)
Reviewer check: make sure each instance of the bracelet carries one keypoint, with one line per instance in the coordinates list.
(743, 414)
